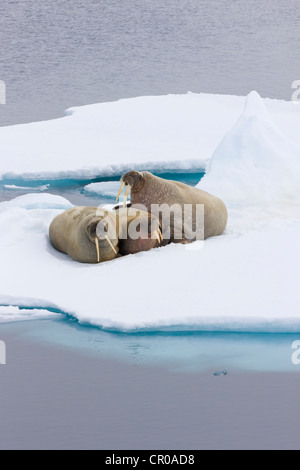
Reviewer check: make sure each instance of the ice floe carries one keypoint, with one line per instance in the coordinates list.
(244, 280)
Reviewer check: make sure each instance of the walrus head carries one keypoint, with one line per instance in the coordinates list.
(139, 230)
(101, 230)
(133, 181)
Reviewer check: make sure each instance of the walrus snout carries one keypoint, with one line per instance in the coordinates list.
(100, 234)
(92, 227)
(133, 180)
(140, 231)
(154, 228)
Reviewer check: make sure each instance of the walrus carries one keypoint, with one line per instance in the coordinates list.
(94, 234)
(184, 225)
(74, 232)
(139, 230)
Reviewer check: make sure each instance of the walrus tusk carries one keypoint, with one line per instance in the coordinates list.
(120, 190)
(126, 195)
(112, 246)
(157, 235)
(97, 249)
(160, 234)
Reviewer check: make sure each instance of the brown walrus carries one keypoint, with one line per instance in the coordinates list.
(148, 190)
(95, 234)
(138, 230)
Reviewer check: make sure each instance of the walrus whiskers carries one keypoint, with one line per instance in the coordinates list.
(112, 246)
(120, 190)
(97, 249)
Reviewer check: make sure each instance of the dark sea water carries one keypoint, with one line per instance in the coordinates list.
(63, 53)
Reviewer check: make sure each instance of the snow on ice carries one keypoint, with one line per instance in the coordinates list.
(244, 280)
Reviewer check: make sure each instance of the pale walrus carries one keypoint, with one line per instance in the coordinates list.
(94, 234)
(74, 232)
(183, 225)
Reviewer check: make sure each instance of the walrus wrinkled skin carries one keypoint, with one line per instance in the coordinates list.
(94, 235)
(148, 189)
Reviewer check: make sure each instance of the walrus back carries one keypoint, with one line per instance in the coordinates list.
(215, 211)
(59, 231)
(65, 233)
(160, 191)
